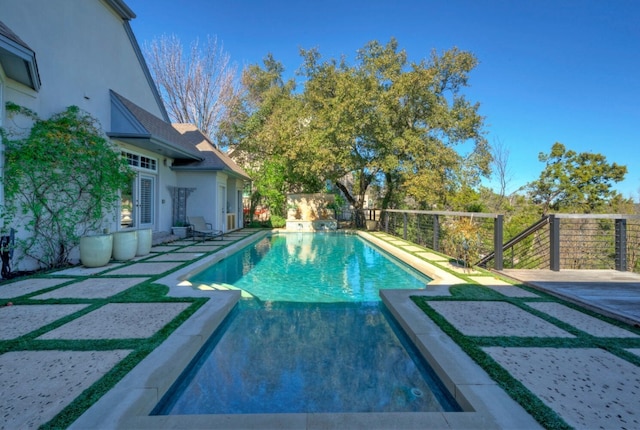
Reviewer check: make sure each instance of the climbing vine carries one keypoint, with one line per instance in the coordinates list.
(61, 179)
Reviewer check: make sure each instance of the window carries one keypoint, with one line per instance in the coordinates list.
(141, 162)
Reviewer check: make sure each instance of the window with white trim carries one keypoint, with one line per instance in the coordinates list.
(141, 162)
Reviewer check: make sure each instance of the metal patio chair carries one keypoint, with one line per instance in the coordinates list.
(200, 228)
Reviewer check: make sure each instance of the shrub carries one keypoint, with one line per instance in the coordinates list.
(278, 221)
(59, 182)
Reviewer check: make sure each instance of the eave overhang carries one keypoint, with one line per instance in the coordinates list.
(154, 144)
(17, 59)
(133, 125)
(227, 171)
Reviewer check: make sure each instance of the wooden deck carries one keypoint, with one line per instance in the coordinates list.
(610, 292)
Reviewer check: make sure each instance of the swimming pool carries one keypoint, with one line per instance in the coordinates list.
(311, 336)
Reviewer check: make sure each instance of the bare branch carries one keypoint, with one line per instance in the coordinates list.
(196, 88)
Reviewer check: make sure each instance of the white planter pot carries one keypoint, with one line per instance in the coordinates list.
(144, 242)
(371, 225)
(181, 232)
(125, 245)
(95, 251)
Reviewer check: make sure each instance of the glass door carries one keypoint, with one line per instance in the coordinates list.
(137, 203)
(146, 201)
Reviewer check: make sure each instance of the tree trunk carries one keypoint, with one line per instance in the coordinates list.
(359, 218)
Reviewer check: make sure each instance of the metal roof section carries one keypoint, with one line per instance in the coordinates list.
(18, 59)
(212, 158)
(132, 124)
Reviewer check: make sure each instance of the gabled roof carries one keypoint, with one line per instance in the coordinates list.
(121, 8)
(212, 158)
(187, 145)
(132, 124)
(18, 59)
(126, 14)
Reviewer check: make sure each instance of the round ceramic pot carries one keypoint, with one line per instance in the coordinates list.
(125, 245)
(95, 251)
(144, 241)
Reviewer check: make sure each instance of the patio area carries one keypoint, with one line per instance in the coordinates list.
(110, 337)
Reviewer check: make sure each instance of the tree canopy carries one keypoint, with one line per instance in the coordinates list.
(571, 181)
(383, 121)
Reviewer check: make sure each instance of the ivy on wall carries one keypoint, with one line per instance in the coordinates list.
(61, 181)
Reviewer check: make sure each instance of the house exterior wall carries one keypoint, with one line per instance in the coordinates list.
(203, 200)
(207, 201)
(82, 50)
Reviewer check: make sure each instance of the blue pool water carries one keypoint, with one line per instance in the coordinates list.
(314, 337)
(312, 267)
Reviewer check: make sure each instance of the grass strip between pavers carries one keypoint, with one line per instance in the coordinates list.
(531, 403)
(143, 347)
(145, 292)
(472, 345)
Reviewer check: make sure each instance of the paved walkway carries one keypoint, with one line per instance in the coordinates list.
(65, 331)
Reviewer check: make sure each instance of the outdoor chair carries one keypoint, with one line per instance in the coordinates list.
(200, 228)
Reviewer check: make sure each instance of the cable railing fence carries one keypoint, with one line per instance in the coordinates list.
(465, 236)
(558, 241)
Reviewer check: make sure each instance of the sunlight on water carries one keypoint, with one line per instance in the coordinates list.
(311, 335)
(308, 267)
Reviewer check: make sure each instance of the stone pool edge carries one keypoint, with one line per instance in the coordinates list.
(485, 405)
(130, 402)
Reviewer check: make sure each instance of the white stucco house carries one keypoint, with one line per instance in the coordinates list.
(54, 54)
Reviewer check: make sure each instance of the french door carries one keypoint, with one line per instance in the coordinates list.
(137, 206)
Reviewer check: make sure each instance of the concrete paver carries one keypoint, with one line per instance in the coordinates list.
(87, 271)
(17, 321)
(28, 286)
(200, 248)
(588, 388)
(494, 319)
(581, 321)
(431, 256)
(37, 385)
(93, 288)
(144, 269)
(502, 287)
(411, 248)
(119, 321)
(164, 248)
(176, 256)
(460, 269)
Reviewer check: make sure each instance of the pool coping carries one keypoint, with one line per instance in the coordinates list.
(130, 402)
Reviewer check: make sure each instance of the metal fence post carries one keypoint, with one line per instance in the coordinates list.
(404, 234)
(436, 233)
(621, 244)
(386, 222)
(554, 243)
(498, 223)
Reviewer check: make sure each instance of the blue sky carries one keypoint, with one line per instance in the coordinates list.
(550, 70)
